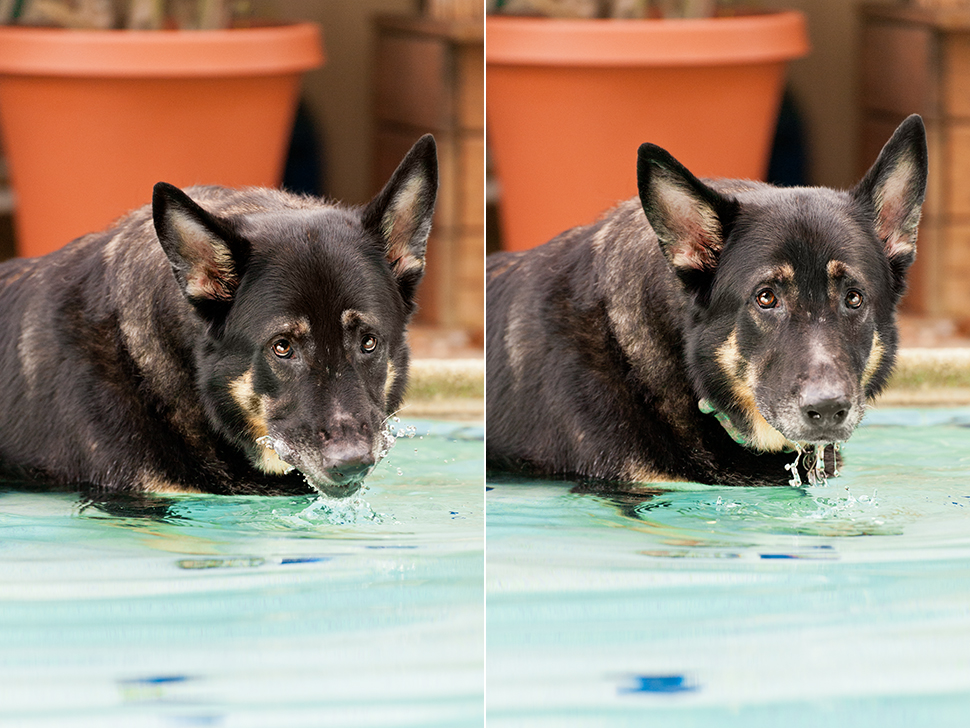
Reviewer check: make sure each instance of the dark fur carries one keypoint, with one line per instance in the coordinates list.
(117, 374)
(602, 342)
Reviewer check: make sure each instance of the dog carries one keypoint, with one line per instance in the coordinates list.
(710, 331)
(216, 341)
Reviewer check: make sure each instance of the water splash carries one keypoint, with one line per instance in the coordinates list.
(812, 458)
(807, 511)
(334, 512)
(392, 432)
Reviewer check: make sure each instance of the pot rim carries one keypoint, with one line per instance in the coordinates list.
(740, 39)
(260, 50)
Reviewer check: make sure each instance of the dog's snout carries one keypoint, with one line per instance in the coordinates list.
(350, 463)
(825, 409)
(347, 448)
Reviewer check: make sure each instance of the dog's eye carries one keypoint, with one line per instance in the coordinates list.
(766, 298)
(853, 299)
(368, 344)
(282, 348)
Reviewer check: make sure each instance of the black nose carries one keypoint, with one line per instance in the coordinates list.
(828, 411)
(351, 465)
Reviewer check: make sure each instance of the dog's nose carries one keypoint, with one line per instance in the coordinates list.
(349, 472)
(350, 464)
(826, 411)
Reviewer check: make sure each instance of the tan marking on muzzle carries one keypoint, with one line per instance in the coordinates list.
(761, 435)
(876, 353)
(254, 410)
(391, 378)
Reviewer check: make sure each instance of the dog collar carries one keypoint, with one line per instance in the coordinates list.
(707, 408)
(811, 457)
(733, 432)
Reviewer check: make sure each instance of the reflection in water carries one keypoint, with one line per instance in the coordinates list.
(247, 610)
(691, 605)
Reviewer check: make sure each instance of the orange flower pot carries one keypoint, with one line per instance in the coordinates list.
(92, 119)
(569, 101)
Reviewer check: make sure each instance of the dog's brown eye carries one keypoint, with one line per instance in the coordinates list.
(368, 344)
(853, 299)
(766, 298)
(282, 348)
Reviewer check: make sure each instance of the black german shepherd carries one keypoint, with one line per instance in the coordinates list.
(731, 330)
(268, 362)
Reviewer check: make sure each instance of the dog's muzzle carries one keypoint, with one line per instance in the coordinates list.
(350, 462)
(827, 414)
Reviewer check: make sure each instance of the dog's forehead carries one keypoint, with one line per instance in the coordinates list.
(818, 215)
(800, 231)
(314, 269)
(321, 304)
(286, 227)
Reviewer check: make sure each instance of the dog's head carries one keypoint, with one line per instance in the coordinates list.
(793, 291)
(304, 307)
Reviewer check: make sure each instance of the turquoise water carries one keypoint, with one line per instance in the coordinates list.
(838, 605)
(220, 611)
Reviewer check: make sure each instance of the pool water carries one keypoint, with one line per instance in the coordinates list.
(838, 605)
(248, 611)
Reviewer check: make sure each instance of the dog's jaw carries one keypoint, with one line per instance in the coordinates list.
(279, 456)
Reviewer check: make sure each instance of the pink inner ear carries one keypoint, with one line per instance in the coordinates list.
(211, 273)
(699, 258)
(695, 229)
(399, 254)
(401, 221)
(208, 282)
(893, 233)
(896, 219)
(696, 247)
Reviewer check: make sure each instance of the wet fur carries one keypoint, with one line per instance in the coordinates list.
(602, 342)
(139, 358)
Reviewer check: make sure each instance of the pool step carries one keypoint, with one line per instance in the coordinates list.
(455, 388)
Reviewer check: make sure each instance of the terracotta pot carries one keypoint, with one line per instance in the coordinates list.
(92, 119)
(569, 101)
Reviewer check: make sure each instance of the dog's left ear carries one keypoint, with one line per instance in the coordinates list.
(207, 257)
(689, 218)
(401, 214)
(893, 190)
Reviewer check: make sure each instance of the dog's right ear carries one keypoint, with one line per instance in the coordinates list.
(689, 218)
(893, 190)
(401, 214)
(206, 255)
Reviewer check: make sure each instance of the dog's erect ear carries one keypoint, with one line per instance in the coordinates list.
(893, 189)
(401, 214)
(207, 257)
(689, 218)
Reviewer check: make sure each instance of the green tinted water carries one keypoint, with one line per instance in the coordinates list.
(845, 605)
(218, 611)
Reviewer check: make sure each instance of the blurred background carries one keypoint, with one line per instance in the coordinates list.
(393, 70)
(870, 64)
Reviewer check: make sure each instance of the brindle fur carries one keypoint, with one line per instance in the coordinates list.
(602, 342)
(117, 374)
